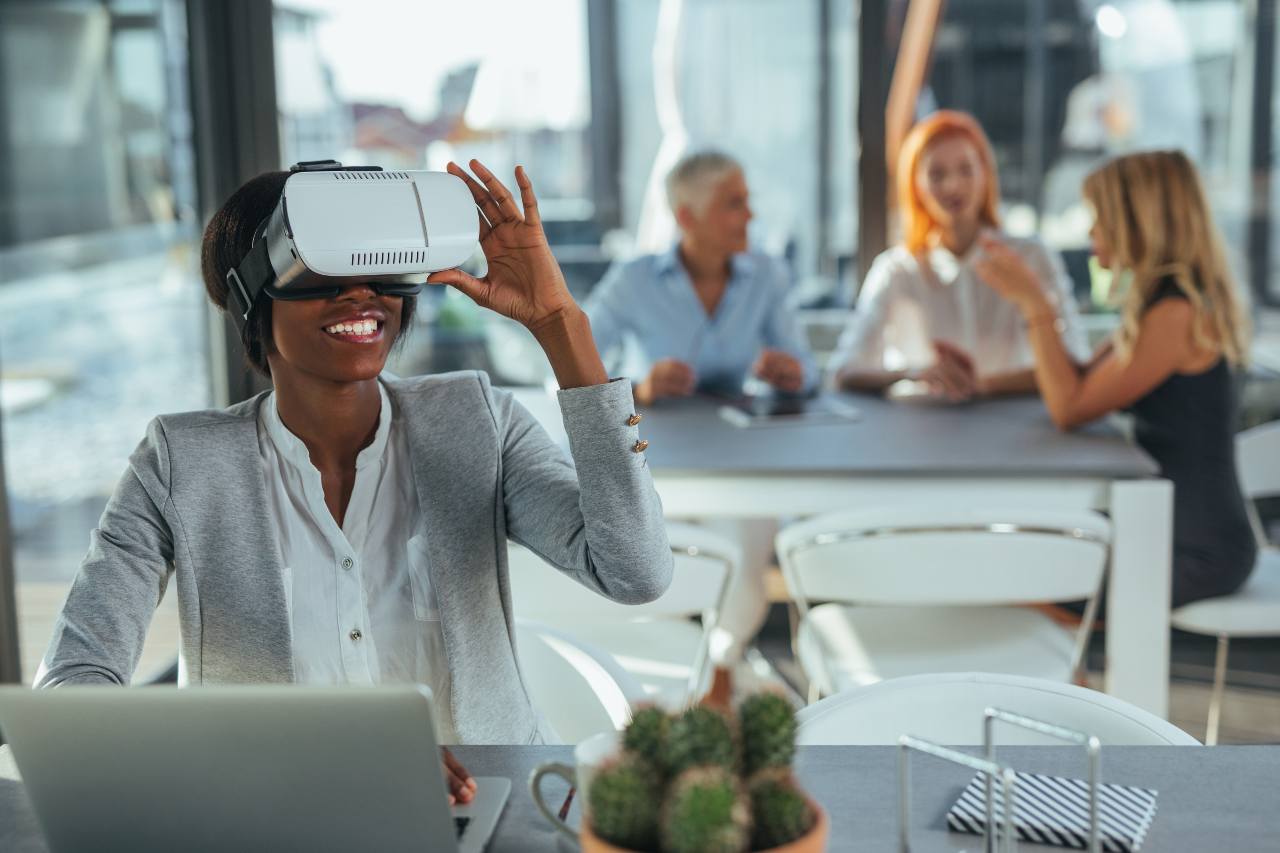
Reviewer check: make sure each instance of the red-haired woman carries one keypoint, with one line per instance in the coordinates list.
(922, 312)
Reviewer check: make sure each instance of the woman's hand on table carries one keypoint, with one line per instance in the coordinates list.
(952, 375)
(781, 370)
(524, 281)
(462, 787)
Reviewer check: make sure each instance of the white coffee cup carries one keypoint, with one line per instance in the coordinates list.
(588, 756)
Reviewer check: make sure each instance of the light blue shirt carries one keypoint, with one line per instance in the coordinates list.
(646, 309)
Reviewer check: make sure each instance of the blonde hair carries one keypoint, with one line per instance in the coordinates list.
(918, 226)
(1152, 212)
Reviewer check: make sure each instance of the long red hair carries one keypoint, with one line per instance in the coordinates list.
(917, 225)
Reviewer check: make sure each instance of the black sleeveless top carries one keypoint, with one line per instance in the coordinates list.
(1187, 424)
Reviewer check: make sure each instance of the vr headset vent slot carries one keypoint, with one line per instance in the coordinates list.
(369, 176)
(372, 258)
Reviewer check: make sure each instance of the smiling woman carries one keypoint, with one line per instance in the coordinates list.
(228, 239)
(349, 528)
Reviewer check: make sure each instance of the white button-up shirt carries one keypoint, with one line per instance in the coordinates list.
(907, 302)
(360, 600)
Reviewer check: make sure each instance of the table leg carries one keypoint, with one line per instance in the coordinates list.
(1138, 593)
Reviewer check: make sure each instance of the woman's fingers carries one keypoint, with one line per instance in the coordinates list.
(946, 379)
(494, 199)
(461, 784)
(995, 276)
(527, 198)
(946, 349)
(481, 196)
(508, 212)
(473, 287)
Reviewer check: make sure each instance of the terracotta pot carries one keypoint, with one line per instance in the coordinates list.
(814, 841)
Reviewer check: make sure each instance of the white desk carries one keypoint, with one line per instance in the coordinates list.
(999, 452)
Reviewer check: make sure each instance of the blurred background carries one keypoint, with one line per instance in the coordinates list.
(124, 123)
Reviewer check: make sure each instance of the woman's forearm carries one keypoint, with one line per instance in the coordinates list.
(1012, 382)
(1056, 373)
(566, 339)
(852, 379)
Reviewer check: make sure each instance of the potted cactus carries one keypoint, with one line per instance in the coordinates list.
(705, 780)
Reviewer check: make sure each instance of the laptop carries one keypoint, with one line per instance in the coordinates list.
(240, 768)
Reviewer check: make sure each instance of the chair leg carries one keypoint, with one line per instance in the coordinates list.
(1219, 685)
(701, 662)
(793, 623)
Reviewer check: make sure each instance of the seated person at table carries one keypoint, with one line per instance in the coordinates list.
(708, 312)
(349, 528)
(1182, 332)
(920, 314)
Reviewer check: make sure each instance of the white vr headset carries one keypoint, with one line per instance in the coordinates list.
(336, 226)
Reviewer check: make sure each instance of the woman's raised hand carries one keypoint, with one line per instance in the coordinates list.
(1005, 272)
(524, 281)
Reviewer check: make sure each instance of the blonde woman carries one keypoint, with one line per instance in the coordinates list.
(922, 314)
(1171, 362)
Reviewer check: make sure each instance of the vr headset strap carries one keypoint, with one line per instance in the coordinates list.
(247, 281)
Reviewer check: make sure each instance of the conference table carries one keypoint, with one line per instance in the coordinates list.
(997, 453)
(1210, 798)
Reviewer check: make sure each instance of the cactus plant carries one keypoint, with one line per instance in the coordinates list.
(646, 736)
(768, 732)
(707, 780)
(625, 801)
(701, 736)
(706, 811)
(780, 812)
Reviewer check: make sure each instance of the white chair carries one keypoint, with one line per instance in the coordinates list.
(658, 643)
(578, 688)
(921, 590)
(1253, 611)
(948, 708)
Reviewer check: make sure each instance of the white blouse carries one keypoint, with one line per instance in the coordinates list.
(360, 600)
(907, 301)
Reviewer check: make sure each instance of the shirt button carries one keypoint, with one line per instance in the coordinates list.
(348, 563)
(356, 634)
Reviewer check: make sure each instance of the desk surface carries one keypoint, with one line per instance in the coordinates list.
(1211, 798)
(1012, 436)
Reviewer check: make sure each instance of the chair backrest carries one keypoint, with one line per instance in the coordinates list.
(579, 688)
(1258, 460)
(948, 708)
(703, 563)
(945, 555)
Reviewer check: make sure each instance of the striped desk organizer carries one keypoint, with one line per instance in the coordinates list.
(1055, 810)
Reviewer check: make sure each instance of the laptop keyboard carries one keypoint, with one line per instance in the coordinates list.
(460, 824)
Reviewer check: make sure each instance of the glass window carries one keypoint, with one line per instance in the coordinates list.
(1061, 84)
(102, 324)
(428, 100)
(743, 78)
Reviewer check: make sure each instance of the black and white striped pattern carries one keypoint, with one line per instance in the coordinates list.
(1055, 810)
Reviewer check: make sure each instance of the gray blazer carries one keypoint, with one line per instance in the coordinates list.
(192, 506)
